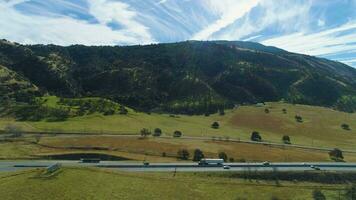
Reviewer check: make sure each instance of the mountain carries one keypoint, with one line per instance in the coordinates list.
(192, 77)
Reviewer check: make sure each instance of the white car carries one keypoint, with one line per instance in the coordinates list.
(226, 167)
(265, 163)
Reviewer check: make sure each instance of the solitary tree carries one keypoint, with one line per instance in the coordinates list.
(284, 111)
(157, 132)
(286, 139)
(223, 155)
(298, 118)
(255, 136)
(336, 154)
(145, 132)
(198, 155)
(267, 111)
(215, 125)
(177, 134)
(183, 154)
(345, 127)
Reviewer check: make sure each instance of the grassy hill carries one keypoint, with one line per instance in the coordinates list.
(76, 183)
(189, 77)
(321, 127)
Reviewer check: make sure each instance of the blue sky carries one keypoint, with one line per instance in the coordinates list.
(325, 28)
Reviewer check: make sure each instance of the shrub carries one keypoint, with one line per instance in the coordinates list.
(345, 127)
(267, 111)
(198, 155)
(183, 154)
(215, 125)
(255, 136)
(231, 160)
(177, 134)
(284, 111)
(145, 132)
(223, 155)
(298, 118)
(286, 139)
(157, 132)
(336, 155)
(123, 110)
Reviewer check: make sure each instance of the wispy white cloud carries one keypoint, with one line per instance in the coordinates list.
(64, 30)
(230, 11)
(331, 41)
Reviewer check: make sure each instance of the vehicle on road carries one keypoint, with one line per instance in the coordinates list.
(226, 167)
(90, 160)
(315, 167)
(266, 163)
(210, 161)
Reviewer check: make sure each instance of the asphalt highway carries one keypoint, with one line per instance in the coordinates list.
(6, 166)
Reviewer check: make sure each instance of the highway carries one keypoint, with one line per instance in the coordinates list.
(6, 166)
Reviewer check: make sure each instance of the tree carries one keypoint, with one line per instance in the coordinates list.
(284, 111)
(298, 118)
(177, 134)
(123, 110)
(255, 136)
(183, 154)
(267, 111)
(215, 125)
(336, 154)
(198, 155)
(286, 139)
(223, 155)
(318, 195)
(145, 132)
(345, 127)
(157, 132)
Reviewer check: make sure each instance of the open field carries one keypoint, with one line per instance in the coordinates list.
(78, 183)
(156, 149)
(320, 126)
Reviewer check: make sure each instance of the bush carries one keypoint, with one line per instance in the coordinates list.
(145, 132)
(215, 125)
(284, 111)
(286, 139)
(267, 111)
(157, 132)
(255, 136)
(183, 154)
(318, 195)
(345, 127)
(336, 155)
(223, 155)
(298, 118)
(177, 134)
(198, 155)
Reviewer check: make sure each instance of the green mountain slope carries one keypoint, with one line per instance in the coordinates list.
(189, 77)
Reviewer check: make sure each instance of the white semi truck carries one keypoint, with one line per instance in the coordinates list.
(210, 161)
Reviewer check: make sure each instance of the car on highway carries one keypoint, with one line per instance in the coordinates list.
(266, 163)
(226, 167)
(314, 167)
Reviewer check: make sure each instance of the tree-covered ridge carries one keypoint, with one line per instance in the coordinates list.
(189, 77)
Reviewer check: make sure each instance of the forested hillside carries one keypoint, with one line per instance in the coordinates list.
(189, 77)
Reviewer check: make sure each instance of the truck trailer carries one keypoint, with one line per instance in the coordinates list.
(210, 161)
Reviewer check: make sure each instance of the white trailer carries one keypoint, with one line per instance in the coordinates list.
(210, 161)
